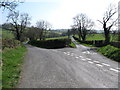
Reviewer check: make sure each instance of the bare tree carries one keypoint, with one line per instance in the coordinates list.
(73, 30)
(31, 33)
(9, 4)
(19, 22)
(83, 24)
(43, 27)
(108, 22)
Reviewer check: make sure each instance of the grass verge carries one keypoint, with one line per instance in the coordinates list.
(72, 45)
(110, 52)
(12, 60)
(87, 45)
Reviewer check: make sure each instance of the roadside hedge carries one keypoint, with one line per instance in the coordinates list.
(51, 44)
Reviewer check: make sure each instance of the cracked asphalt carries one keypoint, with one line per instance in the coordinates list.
(79, 67)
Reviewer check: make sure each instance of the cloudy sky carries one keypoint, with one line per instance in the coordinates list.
(60, 13)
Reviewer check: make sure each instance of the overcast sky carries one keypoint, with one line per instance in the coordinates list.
(60, 13)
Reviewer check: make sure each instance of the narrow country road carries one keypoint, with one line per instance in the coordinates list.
(79, 67)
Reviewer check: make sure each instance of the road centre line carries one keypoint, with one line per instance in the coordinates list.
(88, 59)
(96, 61)
(76, 57)
(65, 53)
(83, 59)
(83, 52)
(90, 62)
(99, 65)
(105, 64)
(68, 54)
(80, 56)
(112, 69)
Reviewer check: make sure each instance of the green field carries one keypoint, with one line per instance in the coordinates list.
(12, 60)
(5, 34)
(57, 38)
(91, 37)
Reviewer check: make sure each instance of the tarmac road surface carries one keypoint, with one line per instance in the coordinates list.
(79, 67)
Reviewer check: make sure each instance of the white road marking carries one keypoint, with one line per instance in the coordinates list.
(88, 52)
(90, 62)
(96, 61)
(81, 56)
(83, 59)
(99, 65)
(76, 57)
(112, 69)
(94, 53)
(88, 59)
(105, 64)
(68, 54)
(83, 52)
(118, 68)
(65, 53)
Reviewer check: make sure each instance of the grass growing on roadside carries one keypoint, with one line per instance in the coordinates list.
(111, 52)
(85, 44)
(72, 45)
(12, 60)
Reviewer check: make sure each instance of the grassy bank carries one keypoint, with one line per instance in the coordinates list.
(110, 52)
(12, 60)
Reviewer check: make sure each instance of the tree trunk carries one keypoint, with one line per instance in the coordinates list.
(17, 34)
(107, 36)
(84, 38)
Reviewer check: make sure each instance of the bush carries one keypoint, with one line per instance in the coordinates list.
(10, 43)
(110, 52)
